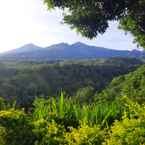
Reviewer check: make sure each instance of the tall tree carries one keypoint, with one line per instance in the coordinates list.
(90, 17)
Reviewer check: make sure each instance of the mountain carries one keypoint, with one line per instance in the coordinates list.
(65, 51)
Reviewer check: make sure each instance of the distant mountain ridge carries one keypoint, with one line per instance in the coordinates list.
(65, 51)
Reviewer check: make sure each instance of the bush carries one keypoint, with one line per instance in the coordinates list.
(18, 130)
(66, 122)
(48, 133)
(3, 134)
(127, 132)
(85, 135)
(131, 129)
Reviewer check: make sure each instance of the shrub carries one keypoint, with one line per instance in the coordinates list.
(131, 129)
(48, 133)
(18, 130)
(3, 134)
(85, 135)
(127, 132)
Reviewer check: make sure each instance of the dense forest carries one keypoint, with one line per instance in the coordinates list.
(107, 114)
(131, 85)
(24, 80)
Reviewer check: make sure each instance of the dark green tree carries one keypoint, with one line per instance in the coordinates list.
(85, 94)
(91, 17)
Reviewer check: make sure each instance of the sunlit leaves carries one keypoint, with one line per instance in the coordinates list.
(91, 17)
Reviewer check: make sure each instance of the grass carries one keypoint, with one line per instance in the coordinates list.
(69, 110)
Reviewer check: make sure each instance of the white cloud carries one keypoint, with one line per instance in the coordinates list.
(28, 21)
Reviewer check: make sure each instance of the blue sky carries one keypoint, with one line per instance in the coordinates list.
(28, 21)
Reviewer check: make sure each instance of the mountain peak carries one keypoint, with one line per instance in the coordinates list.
(30, 45)
(63, 43)
(25, 48)
(63, 50)
(79, 44)
(59, 46)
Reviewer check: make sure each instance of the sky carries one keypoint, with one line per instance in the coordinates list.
(28, 21)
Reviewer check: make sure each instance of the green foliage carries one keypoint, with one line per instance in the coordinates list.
(69, 112)
(3, 134)
(61, 104)
(85, 135)
(128, 131)
(2, 103)
(7, 104)
(91, 17)
(76, 124)
(130, 85)
(63, 121)
(131, 129)
(79, 120)
(24, 82)
(85, 94)
(15, 127)
(48, 133)
(106, 119)
(134, 22)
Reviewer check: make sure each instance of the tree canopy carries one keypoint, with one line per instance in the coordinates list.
(91, 17)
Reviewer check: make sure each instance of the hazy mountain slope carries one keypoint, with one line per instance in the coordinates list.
(65, 51)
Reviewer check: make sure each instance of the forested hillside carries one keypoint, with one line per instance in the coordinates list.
(25, 81)
(34, 110)
(131, 85)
